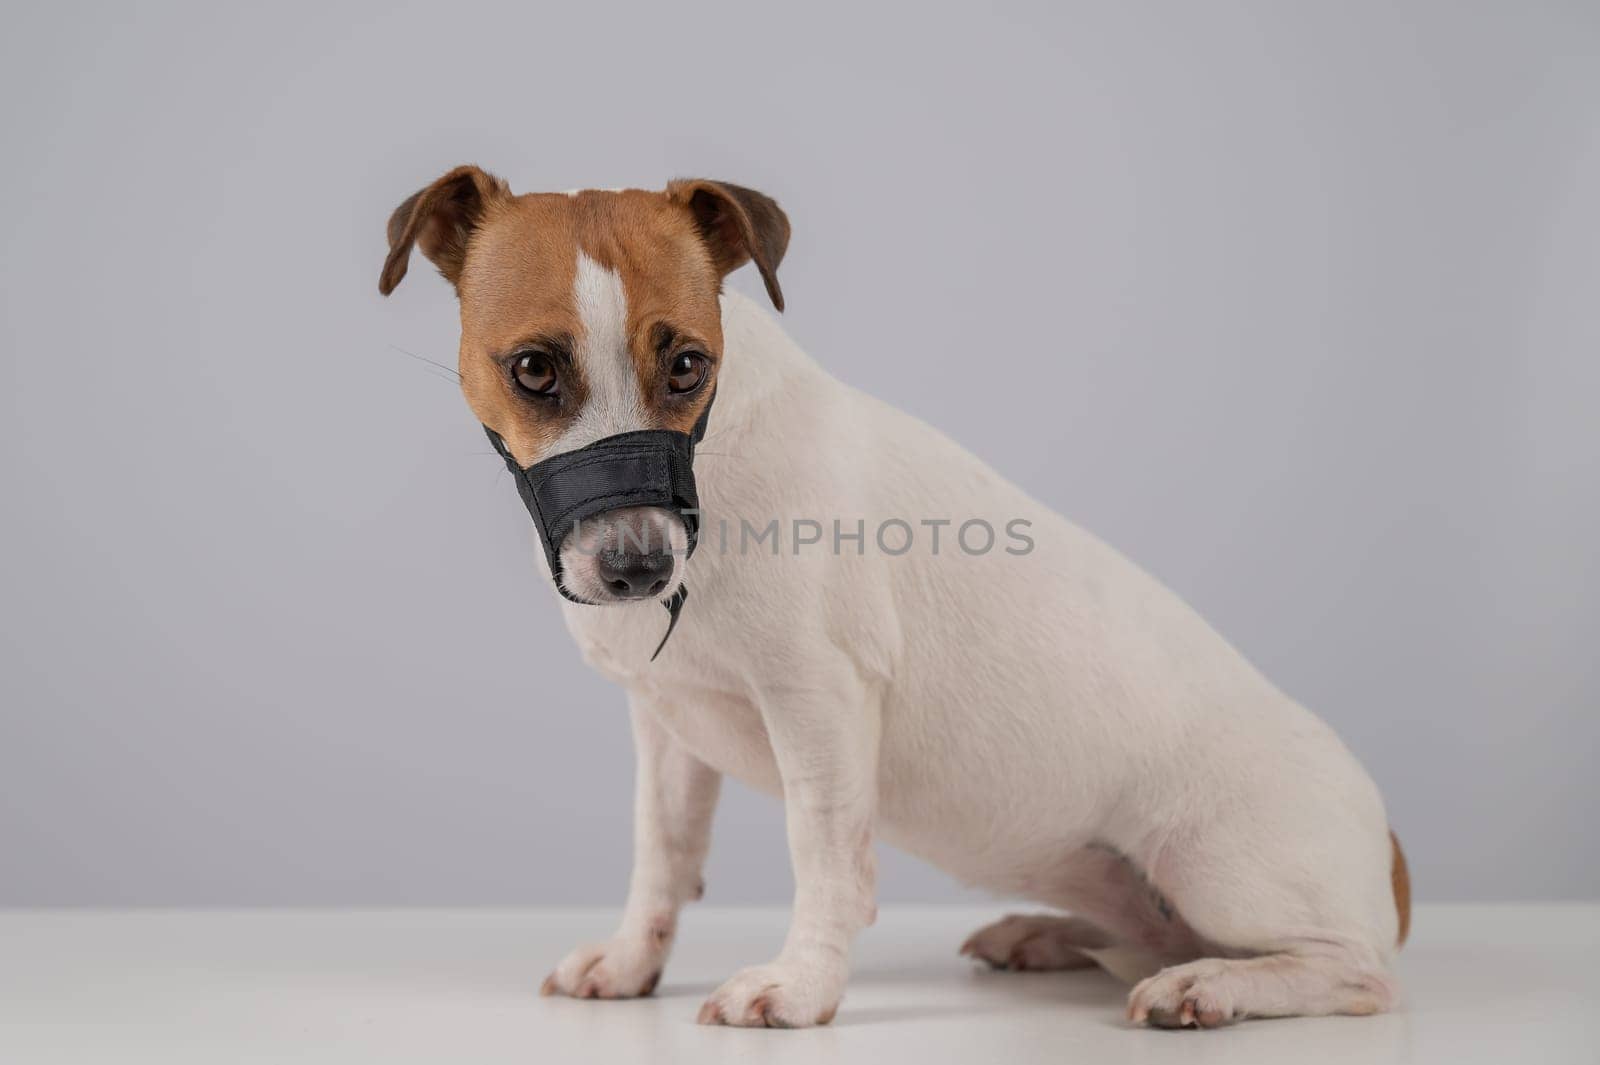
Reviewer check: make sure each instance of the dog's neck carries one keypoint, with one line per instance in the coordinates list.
(761, 370)
(758, 358)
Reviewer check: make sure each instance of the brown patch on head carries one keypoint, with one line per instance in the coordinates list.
(671, 286)
(516, 294)
(513, 261)
(1400, 884)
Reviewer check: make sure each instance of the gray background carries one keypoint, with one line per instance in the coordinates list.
(1293, 303)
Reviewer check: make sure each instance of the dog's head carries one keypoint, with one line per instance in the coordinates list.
(589, 314)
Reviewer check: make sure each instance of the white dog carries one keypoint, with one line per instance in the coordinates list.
(897, 641)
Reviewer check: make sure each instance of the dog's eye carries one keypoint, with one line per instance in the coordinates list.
(535, 373)
(688, 370)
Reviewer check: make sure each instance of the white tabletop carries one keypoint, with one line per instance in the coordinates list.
(1482, 984)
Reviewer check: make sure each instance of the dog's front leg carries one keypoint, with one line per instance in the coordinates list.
(674, 798)
(825, 742)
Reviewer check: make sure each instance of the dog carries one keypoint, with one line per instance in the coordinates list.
(1039, 718)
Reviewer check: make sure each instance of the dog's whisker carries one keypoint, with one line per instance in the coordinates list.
(436, 373)
(431, 362)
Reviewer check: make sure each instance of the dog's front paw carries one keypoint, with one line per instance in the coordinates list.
(783, 994)
(621, 968)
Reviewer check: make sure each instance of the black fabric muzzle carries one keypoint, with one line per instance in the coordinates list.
(646, 468)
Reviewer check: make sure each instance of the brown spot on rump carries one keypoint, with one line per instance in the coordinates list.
(1400, 882)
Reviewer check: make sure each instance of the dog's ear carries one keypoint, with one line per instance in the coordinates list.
(738, 225)
(440, 219)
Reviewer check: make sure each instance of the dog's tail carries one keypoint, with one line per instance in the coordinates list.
(1400, 880)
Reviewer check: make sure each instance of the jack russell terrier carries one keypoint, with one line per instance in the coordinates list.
(1022, 707)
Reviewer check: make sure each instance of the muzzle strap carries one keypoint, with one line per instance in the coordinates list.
(647, 468)
(674, 607)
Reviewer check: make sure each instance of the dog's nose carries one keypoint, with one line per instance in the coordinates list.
(635, 574)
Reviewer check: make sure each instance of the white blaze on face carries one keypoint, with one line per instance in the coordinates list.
(614, 404)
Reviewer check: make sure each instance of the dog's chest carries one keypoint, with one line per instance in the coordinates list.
(721, 728)
(695, 693)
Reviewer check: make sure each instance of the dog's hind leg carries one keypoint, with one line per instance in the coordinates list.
(1299, 923)
(1118, 921)
(1305, 980)
(1036, 943)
